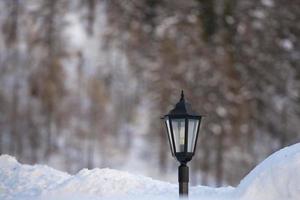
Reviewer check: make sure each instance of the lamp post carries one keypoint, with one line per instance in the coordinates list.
(182, 125)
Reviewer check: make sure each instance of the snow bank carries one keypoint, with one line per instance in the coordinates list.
(25, 181)
(277, 178)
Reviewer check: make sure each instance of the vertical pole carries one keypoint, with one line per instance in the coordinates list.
(183, 179)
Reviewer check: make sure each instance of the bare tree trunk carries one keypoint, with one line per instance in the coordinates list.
(16, 143)
(162, 151)
(284, 132)
(205, 163)
(33, 134)
(92, 135)
(219, 159)
(91, 15)
(208, 18)
(49, 134)
(163, 143)
(11, 27)
(51, 4)
(91, 147)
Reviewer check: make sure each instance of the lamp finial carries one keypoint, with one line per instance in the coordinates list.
(182, 95)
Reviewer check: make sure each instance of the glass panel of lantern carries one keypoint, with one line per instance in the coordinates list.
(178, 126)
(167, 121)
(192, 134)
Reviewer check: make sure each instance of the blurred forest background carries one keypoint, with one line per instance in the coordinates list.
(83, 83)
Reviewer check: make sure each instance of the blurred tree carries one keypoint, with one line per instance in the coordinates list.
(79, 78)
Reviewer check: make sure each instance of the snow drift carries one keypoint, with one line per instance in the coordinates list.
(276, 178)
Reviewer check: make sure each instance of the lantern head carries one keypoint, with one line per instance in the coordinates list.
(182, 125)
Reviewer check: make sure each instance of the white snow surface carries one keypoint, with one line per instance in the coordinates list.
(276, 178)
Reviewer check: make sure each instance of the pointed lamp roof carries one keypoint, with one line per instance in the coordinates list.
(183, 108)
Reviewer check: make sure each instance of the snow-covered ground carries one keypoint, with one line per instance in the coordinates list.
(276, 178)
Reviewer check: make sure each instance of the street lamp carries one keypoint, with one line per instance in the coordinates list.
(182, 125)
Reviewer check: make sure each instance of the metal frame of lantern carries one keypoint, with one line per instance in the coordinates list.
(185, 155)
(183, 150)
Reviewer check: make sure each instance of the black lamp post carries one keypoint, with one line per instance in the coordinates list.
(182, 125)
